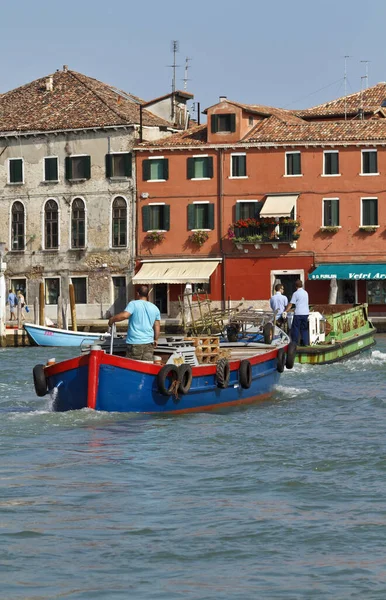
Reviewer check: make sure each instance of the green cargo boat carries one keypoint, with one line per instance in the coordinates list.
(337, 331)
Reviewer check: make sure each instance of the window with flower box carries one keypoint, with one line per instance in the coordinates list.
(200, 216)
(156, 217)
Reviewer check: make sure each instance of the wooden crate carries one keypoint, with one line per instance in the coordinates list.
(207, 348)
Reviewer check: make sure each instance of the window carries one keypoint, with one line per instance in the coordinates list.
(119, 222)
(201, 288)
(200, 216)
(155, 169)
(80, 289)
(18, 226)
(225, 123)
(52, 290)
(78, 224)
(238, 165)
(118, 165)
(156, 217)
(200, 167)
(376, 292)
(369, 162)
(250, 120)
(369, 212)
(15, 170)
(331, 162)
(331, 213)
(51, 168)
(19, 285)
(78, 167)
(51, 225)
(293, 164)
(247, 209)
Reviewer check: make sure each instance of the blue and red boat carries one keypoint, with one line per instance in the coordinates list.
(105, 382)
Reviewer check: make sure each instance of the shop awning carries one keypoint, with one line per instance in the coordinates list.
(176, 272)
(278, 206)
(353, 272)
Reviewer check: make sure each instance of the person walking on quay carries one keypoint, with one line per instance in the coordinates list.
(12, 301)
(144, 326)
(21, 303)
(278, 303)
(300, 321)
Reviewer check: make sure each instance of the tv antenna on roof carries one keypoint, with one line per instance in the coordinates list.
(175, 47)
(366, 77)
(187, 59)
(345, 86)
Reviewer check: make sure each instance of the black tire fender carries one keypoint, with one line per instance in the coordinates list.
(291, 354)
(245, 374)
(185, 378)
(40, 380)
(268, 333)
(280, 360)
(223, 373)
(167, 371)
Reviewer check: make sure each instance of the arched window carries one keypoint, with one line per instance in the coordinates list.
(51, 225)
(119, 237)
(18, 226)
(78, 224)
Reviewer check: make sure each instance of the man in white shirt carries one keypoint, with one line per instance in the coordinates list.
(302, 310)
(278, 302)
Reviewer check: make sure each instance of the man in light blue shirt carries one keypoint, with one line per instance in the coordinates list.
(278, 302)
(302, 310)
(144, 326)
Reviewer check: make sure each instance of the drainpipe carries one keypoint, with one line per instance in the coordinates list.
(140, 124)
(220, 223)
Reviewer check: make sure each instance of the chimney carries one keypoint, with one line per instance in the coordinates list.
(65, 68)
(50, 84)
(222, 98)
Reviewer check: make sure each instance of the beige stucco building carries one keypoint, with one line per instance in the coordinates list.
(67, 189)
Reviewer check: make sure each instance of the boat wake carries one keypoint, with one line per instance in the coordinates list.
(291, 392)
(375, 358)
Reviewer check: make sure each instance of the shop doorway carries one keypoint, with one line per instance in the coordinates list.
(19, 285)
(287, 279)
(119, 294)
(160, 297)
(346, 292)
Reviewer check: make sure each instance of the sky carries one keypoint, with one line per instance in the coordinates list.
(281, 53)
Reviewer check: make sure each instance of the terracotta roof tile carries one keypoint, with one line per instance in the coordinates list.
(76, 102)
(195, 136)
(369, 100)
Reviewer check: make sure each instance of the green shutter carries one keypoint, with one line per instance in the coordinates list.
(167, 217)
(16, 171)
(145, 218)
(87, 167)
(166, 168)
(146, 170)
(211, 216)
(68, 167)
(109, 165)
(191, 219)
(214, 123)
(210, 166)
(232, 122)
(238, 211)
(127, 161)
(190, 168)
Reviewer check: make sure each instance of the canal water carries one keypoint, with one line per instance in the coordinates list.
(284, 500)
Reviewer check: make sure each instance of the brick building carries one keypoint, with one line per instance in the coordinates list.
(261, 194)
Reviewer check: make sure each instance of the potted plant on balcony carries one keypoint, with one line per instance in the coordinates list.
(239, 241)
(198, 237)
(368, 228)
(155, 237)
(255, 239)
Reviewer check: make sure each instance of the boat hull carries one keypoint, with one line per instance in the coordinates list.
(340, 350)
(114, 384)
(50, 336)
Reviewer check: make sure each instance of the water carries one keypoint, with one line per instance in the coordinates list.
(285, 500)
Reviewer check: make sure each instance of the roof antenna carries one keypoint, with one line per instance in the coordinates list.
(187, 59)
(175, 47)
(366, 77)
(345, 86)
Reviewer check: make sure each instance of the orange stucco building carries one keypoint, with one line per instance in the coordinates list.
(259, 195)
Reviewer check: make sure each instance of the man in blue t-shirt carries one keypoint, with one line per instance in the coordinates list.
(300, 321)
(144, 326)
